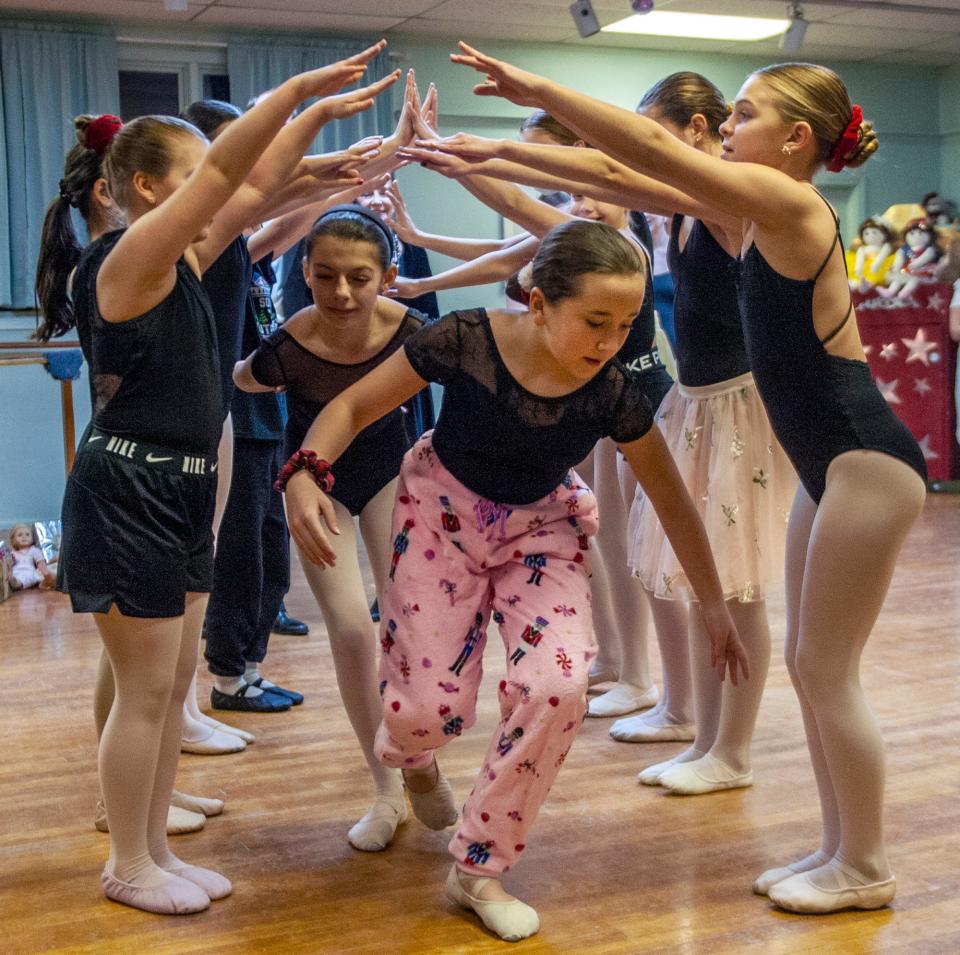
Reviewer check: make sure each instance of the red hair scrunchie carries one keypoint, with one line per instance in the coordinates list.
(846, 143)
(99, 134)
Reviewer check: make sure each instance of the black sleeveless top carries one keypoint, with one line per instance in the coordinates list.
(155, 378)
(710, 345)
(227, 283)
(820, 405)
(500, 440)
(639, 354)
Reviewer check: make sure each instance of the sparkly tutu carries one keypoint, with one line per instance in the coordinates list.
(741, 482)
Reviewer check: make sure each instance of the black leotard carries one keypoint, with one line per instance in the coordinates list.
(373, 458)
(706, 315)
(819, 405)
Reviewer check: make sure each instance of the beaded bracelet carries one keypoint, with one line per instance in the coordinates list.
(303, 460)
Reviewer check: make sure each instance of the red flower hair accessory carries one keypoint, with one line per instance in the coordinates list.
(101, 131)
(846, 143)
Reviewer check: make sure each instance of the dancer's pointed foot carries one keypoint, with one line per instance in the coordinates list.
(505, 916)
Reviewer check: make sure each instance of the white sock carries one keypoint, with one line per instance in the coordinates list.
(231, 685)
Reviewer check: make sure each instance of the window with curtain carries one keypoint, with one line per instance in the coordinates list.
(49, 73)
(257, 65)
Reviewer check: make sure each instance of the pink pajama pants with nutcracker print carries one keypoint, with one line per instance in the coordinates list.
(459, 560)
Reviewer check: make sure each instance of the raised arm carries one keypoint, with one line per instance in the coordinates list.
(495, 266)
(284, 159)
(654, 467)
(282, 233)
(373, 396)
(140, 270)
(509, 200)
(745, 190)
(457, 248)
(581, 171)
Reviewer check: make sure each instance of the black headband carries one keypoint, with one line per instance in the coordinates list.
(366, 214)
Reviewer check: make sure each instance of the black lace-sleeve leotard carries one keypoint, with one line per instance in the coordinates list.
(373, 458)
(502, 441)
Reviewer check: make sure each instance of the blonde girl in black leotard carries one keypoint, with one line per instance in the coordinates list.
(861, 473)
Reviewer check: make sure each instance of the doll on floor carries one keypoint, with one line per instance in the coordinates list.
(30, 567)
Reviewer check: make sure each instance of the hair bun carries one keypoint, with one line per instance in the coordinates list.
(99, 132)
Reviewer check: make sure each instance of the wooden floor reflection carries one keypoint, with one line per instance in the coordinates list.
(613, 867)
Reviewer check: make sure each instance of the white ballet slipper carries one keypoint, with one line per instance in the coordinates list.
(636, 729)
(206, 805)
(622, 699)
(705, 775)
(511, 921)
(602, 674)
(761, 885)
(216, 744)
(175, 896)
(436, 808)
(801, 894)
(375, 831)
(216, 886)
(179, 821)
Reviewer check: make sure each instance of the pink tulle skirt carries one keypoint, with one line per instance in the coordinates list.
(741, 482)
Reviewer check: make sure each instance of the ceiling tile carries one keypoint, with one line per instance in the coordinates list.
(504, 12)
(114, 9)
(489, 29)
(283, 19)
(398, 9)
(898, 19)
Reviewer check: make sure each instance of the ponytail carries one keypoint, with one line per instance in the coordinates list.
(59, 254)
(59, 247)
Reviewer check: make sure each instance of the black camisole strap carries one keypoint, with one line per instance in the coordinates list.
(836, 238)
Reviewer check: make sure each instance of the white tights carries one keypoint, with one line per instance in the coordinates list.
(153, 662)
(619, 606)
(343, 601)
(840, 559)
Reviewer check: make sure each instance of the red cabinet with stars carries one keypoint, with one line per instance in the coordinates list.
(913, 362)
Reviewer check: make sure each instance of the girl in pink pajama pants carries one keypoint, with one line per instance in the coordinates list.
(491, 522)
(458, 560)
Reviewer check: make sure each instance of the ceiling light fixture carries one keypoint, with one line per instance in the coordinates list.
(792, 39)
(699, 26)
(175, 6)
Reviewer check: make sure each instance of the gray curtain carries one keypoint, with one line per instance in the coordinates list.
(49, 73)
(257, 65)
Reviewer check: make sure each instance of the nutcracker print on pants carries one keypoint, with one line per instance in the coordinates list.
(458, 560)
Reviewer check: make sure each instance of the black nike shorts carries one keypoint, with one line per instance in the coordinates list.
(137, 528)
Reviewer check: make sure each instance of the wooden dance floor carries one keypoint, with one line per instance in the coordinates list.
(613, 867)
